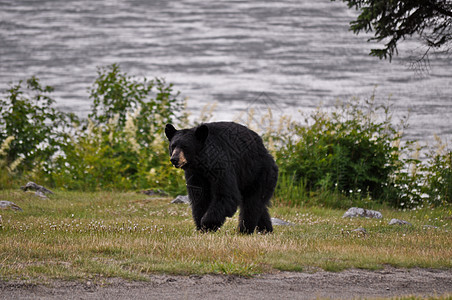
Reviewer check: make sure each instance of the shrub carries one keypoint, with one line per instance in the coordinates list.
(353, 155)
(347, 150)
(38, 130)
(357, 151)
(115, 95)
(121, 145)
(437, 186)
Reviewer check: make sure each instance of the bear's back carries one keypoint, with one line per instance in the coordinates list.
(230, 142)
(230, 134)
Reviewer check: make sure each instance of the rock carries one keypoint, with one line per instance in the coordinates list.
(155, 192)
(41, 194)
(8, 204)
(40, 190)
(399, 222)
(360, 230)
(181, 199)
(279, 222)
(361, 212)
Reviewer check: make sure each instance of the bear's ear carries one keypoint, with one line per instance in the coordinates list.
(170, 131)
(202, 132)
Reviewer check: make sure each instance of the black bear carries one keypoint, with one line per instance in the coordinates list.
(226, 166)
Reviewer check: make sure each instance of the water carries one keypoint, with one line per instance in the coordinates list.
(300, 54)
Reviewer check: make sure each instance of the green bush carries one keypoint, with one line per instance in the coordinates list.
(115, 95)
(356, 151)
(38, 129)
(121, 145)
(437, 185)
(348, 151)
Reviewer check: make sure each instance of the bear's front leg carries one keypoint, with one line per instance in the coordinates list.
(212, 221)
(199, 201)
(223, 204)
(199, 194)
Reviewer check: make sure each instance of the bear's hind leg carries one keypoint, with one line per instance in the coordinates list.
(256, 199)
(256, 218)
(250, 214)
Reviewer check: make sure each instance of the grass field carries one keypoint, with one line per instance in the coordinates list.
(75, 235)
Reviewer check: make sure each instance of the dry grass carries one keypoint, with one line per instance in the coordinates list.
(129, 235)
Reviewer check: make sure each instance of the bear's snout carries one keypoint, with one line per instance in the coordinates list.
(174, 161)
(178, 158)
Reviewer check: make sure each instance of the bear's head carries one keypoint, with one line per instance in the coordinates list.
(185, 144)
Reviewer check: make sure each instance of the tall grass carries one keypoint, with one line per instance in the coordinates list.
(8, 169)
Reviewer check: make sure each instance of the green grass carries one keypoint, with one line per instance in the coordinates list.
(129, 235)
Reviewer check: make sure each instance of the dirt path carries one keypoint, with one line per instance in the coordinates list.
(349, 284)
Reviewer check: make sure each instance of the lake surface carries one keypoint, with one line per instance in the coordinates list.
(293, 55)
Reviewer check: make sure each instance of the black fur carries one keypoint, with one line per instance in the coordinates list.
(227, 167)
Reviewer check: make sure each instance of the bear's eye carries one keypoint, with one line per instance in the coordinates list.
(178, 146)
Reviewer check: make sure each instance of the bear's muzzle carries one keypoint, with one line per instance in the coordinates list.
(178, 158)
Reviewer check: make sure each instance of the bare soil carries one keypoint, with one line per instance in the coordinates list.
(350, 284)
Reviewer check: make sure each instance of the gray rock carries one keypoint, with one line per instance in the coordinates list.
(40, 194)
(8, 204)
(181, 199)
(155, 193)
(40, 190)
(360, 231)
(399, 222)
(361, 212)
(279, 222)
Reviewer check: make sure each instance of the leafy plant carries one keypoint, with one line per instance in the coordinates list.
(438, 176)
(115, 95)
(354, 155)
(38, 129)
(346, 151)
(121, 146)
